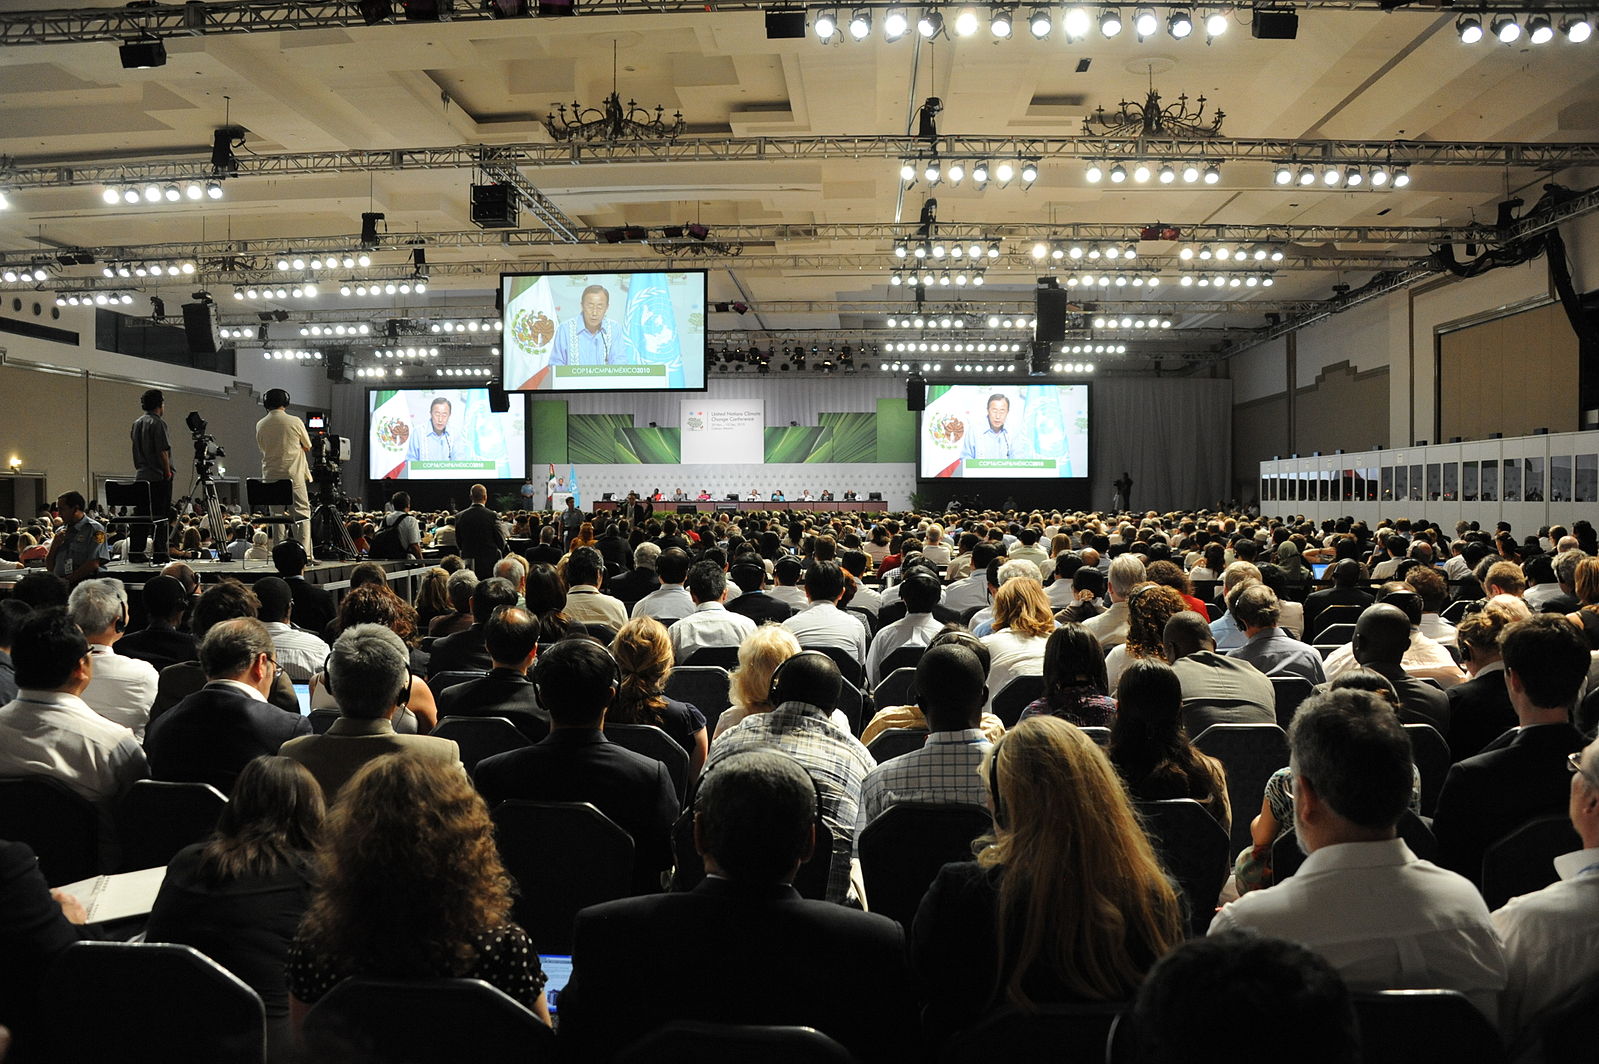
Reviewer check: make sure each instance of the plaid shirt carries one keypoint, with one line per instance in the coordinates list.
(945, 770)
(836, 761)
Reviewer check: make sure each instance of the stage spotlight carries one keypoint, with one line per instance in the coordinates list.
(1539, 28)
(1352, 177)
(826, 24)
(1284, 174)
(999, 23)
(1029, 171)
(860, 24)
(1190, 173)
(1180, 24)
(1140, 173)
(1004, 171)
(1110, 22)
(965, 22)
(1577, 28)
(1145, 23)
(1167, 174)
(1118, 174)
(1331, 176)
(1401, 177)
(1470, 28)
(1215, 23)
(1094, 174)
(1505, 28)
(1307, 176)
(930, 24)
(1076, 23)
(1212, 174)
(1040, 24)
(895, 24)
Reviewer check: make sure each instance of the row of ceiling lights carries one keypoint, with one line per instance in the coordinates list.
(1076, 22)
(1222, 253)
(934, 170)
(1071, 367)
(437, 371)
(309, 289)
(147, 269)
(1540, 29)
(1140, 171)
(282, 354)
(1130, 322)
(98, 299)
(346, 261)
(1059, 249)
(938, 249)
(155, 192)
(492, 325)
(1229, 280)
(945, 347)
(414, 352)
(921, 322)
(927, 278)
(1337, 176)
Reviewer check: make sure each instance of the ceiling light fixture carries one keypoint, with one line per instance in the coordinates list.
(1505, 28)
(930, 24)
(965, 22)
(1540, 30)
(1469, 27)
(826, 24)
(860, 24)
(999, 23)
(1039, 23)
(895, 24)
(1577, 28)
(1110, 21)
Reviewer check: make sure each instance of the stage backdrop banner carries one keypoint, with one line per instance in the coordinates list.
(723, 431)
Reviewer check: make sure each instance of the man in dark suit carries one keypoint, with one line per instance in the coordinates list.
(641, 580)
(753, 601)
(1382, 635)
(1479, 709)
(222, 601)
(1522, 775)
(160, 642)
(548, 550)
(314, 608)
(576, 681)
(511, 637)
(465, 651)
(212, 734)
(479, 539)
(37, 924)
(1344, 592)
(754, 951)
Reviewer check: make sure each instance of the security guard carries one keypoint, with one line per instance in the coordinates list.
(80, 548)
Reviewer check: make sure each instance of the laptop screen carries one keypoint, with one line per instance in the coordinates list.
(302, 691)
(1319, 569)
(557, 970)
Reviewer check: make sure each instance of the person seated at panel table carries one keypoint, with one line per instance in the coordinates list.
(777, 496)
(656, 496)
(753, 496)
(806, 496)
(704, 495)
(680, 495)
(827, 495)
(849, 496)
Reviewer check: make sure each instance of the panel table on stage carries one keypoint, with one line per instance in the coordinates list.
(666, 509)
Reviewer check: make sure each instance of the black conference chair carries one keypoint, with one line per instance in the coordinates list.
(440, 682)
(1326, 650)
(1250, 753)
(721, 657)
(1404, 1026)
(157, 818)
(691, 1042)
(1335, 634)
(853, 703)
(706, 687)
(1523, 861)
(1430, 751)
(1290, 692)
(848, 667)
(424, 1021)
(261, 494)
(1337, 614)
(891, 743)
(1049, 1033)
(1455, 612)
(1015, 696)
(904, 846)
(895, 688)
(481, 737)
(62, 828)
(152, 1001)
(1563, 1030)
(600, 630)
(902, 658)
(133, 496)
(1286, 856)
(322, 719)
(1214, 610)
(656, 745)
(564, 856)
(1194, 849)
(867, 617)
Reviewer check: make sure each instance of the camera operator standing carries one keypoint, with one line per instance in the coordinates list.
(152, 457)
(285, 445)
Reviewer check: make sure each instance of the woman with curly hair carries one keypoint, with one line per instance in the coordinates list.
(1149, 607)
(409, 885)
(378, 604)
(644, 658)
(1067, 903)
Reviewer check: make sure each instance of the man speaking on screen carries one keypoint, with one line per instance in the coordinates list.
(435, 445)
(589, 340)
(995, 441)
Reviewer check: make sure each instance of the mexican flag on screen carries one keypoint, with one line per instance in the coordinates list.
(390, 407)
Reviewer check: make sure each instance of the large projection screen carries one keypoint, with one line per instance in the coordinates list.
(444, 434)
(1004, 431)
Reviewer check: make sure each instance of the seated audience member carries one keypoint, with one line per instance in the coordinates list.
(1022, 626)
(1551, 936)
(458, 587)
(1059, 588)
(1087, 589)
(822, 623)
(1382, 636)
(1149, 607)
(211, 735)
(369, 675)
(1151, 751)
(1268, 647)
(945, 769)
(804, 694)
(1110, 628)
(314, 606)
(298, 652)
(511, 638)
(639, 581)
(1075, 686)
(644, 663)
(238, 896)
(36, 927)
(1433, 590)
(919, 592)
(786, 574)
(464, 651)
(1345, 591)
(856, 563)
(1352, 779)
(753, 949)
(585, 576)
(221, 601)
(1202, 994)
(758, 657)
(11, 615)
(753, 600)
(376, 603)
(408, 884)
(577, 682)
(711, 624)
(1522, 775)
(1068, 903)
(47, 729)
(1422, 657)
(123, 689)
(670, 600)
(1226, 630)
(1480, 709)
(1217, 688)
(160, 642)
(1586, 615)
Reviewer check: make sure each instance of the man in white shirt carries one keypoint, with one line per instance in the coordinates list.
(585, 574)
(1381, 916)
(48, 730)
(711, 624)
(1551, 936)
(123, 689)
(285, 446)
(301, 654)
(787, 572)
(1027, 549)
(972, 591)
(1060, 591)
(671, 600)
(822, 623)
(919, 591)
(1110, 627)
(1424, 659)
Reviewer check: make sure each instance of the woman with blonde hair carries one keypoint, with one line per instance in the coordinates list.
(762, 651)
(1586, 585)
(432, 598)
(409, 885)
(1023, 621)
(1479, 708)
(643, 656)
(1149, 607)
(1066, 903)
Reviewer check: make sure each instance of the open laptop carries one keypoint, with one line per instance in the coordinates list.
(302, 691)
(1319, 569)
(557, 970)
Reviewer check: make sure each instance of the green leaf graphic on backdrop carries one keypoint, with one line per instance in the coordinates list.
(936, 390)
(651, 446)
(805, 443)
(596, 437)
(854, 436)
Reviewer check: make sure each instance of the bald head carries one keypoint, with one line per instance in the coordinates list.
(1186, 633)
(1382, 635)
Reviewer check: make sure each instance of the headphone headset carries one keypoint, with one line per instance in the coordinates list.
(122, 620)
(539, 668)
(993, 785)
(275, 398)
(816, 789)
(772, 697)
(297, 549)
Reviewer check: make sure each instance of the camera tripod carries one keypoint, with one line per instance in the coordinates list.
(204, 491)
(329, 537)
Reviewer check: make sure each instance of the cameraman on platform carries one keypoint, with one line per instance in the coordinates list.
(152, 457)
(285, 445)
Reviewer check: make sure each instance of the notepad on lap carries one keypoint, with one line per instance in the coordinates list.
(114, 897)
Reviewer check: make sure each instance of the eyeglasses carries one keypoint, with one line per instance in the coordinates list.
(277, 670)
(1574, 766)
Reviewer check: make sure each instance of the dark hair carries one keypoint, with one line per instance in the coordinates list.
(754, 811)
(271, 821)
(824, 582)
(787, 570)
(1072, 656)
(222, 601)
(289, 558)
(544, 589)
(231, 646)
(368, 573)
(490, 595)
(584, 566)
(672, 565)
(510, 635)
(706, 582)
(955, 635)
(1549, 656)
(1147, 743)
(576, 681)
(272, 592)
(275, 398)
(47, 649)
(748, 576)
(400, 500)
(920, 591)
(11, 615)
(950, 680)
(1351, 749)
(810, 677)
(164, 597)
(41, 590)
(152, 399)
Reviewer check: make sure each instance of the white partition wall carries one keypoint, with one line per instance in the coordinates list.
(1528, 481)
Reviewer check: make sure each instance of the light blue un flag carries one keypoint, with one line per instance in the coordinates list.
(649, 326)
(571, 486)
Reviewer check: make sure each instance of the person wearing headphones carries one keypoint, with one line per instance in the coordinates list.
(123, 689)
(285, 450)
(576, 681)
(152, 457)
